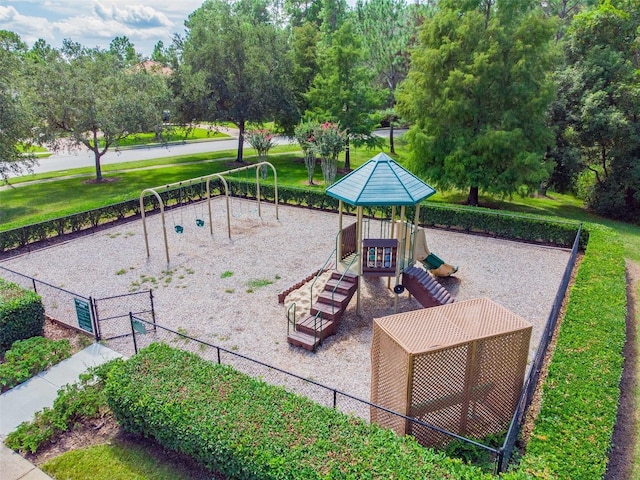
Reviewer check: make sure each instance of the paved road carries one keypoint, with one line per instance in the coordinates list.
(61, 161)
(84, 158)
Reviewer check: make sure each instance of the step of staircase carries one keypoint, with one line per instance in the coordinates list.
(304, 340)
(328, 311)
(325, 327)
(341, 300)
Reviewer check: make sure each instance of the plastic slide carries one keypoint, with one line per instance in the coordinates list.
(434, 264)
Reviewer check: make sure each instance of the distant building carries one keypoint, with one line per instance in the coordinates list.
(152, 66)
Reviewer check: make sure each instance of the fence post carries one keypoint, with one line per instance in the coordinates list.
(153, 310)
(500, 459)
(133, 333)
(96, 319)
(335, 398)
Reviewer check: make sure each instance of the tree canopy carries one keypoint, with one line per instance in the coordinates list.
(15, 114)
(477, 93)
(237, 64)
(343, 91)
(601, 100)
(84, 98)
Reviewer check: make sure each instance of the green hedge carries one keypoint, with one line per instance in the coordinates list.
(526, 228)
(21, 314)
(247, 429)
(572, 434)
(29, 357)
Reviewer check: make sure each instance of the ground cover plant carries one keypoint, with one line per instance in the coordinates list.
(29, 357)
(75, 404)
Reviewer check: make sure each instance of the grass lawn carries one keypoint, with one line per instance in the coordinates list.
(34, 203)
(119, 461)
(175, 135)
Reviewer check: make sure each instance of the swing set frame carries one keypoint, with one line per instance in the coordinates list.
(154, 191)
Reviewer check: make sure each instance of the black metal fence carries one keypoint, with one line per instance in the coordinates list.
(531, 382)
(143, 333)
(112, 313)
(102, 318)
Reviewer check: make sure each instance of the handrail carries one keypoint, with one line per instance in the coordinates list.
(321, 271)
(289, 316)
(333, 302)
(317, 317)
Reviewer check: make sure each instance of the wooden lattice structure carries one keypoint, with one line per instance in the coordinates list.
(459, 367)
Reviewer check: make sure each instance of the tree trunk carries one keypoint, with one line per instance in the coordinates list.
(240, 141)
(98, 167)
(347, 157)
(97, 156)
(392, 145)
(473, 196)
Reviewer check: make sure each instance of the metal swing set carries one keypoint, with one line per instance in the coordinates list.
(179, 227)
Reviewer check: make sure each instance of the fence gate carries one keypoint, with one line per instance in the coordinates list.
(112, 313)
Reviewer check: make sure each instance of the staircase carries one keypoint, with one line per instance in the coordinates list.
(324, 318)
(425, 288)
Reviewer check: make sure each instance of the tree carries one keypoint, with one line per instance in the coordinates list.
(304, 53)
(601, 83)
(83, 98)
(386, 31)
(477, 93)
(236, 67)
(124, 51)
(15, 115)
(342, 91)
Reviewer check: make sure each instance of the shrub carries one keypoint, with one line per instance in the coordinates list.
(29, 357)
(21, 314)
(247, 429)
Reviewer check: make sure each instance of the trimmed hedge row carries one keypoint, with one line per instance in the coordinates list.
(477, 220)
(21, 314)
(247, 429)
(572, 434)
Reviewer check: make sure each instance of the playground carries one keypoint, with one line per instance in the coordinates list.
(224, 289)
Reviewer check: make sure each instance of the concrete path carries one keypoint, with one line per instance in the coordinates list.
(22, 402)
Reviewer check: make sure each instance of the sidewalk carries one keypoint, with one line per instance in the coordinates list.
(20, 404)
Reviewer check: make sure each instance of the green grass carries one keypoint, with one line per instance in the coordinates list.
(178, 134)
(118, 461)
(42, 201)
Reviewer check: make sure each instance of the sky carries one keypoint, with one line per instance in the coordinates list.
(96, 23)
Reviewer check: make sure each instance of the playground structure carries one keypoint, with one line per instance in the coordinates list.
(380, 182)
(199, 222)
(459, 367)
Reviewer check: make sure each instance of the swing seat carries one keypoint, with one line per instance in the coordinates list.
(199, 222)
(179, 228)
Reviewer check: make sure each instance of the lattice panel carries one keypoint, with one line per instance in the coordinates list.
(437, 388)
(390, 388)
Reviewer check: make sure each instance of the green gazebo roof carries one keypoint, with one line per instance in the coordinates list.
(380, 182)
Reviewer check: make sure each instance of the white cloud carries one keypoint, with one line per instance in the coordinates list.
(137, 15)
(96, 24)
(7, 14)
